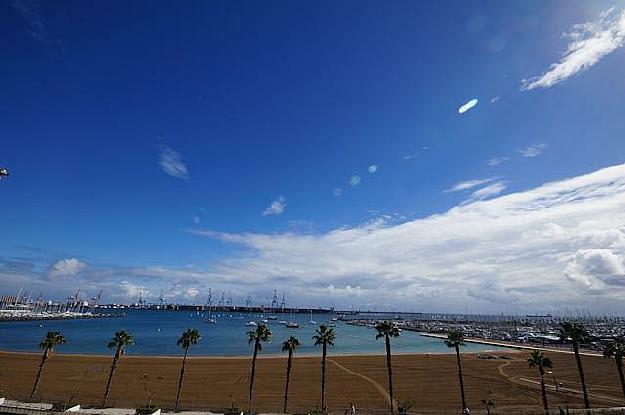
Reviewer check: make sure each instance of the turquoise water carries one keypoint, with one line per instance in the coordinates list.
(156, 333)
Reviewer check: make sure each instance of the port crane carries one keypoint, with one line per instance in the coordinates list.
(161, 300)
(95, 301)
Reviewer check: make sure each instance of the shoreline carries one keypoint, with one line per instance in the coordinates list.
(508, 348)
(519, 347)
(260, 355)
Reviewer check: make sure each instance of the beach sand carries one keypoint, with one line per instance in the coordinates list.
(216, 383)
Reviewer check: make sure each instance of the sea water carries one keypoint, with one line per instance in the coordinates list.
(157, 331)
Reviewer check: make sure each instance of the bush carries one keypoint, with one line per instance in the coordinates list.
(146, 409)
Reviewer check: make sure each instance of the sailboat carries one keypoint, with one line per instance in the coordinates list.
(311, 320)
(212, 319)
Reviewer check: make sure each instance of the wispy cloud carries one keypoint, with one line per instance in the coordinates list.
(354, 180)
(338, 192)
(373, 168)
(466, 107)
(414, 154)
(171, 163)
(37, 27)
(469, 184)
(494, 99)
(589, 43)
(497, 161)
(486, 192)
(533, 150)
(276, 207)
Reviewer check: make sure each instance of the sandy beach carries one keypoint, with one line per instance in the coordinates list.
(215, 383)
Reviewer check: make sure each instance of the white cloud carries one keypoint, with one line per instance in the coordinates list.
(466, 107)
(372, 168)
(338, 192)
(354, 180)
(494, 99)
(533, 151)
(593, 268)
(519, 246)
(589, 43)
(131, 291)
(276, 207)
(540, 250)
(192, 292)
(487, 192)
(497, 161)
(68, 267)
(196, 219)
(171, 163)
(469, 184)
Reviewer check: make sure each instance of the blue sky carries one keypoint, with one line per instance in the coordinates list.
(181, 146)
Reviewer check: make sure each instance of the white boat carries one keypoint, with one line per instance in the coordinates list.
(292, 325)
(283, 322)
(311, 320)
(265, 320)
(210, 320)
(272, 317)
(251, 324)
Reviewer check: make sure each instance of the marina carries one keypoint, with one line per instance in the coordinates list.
(156, 332)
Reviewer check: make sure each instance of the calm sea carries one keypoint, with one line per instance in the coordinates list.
(156, 333)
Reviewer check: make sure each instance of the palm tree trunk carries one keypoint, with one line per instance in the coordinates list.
(252, 373)
(288, 378)
(582, 379)
(323, 378)
(464, 401)
(619, 367)
(184, 361)
(390, 372)
(542, 389)
(110, 379)
(38, 378)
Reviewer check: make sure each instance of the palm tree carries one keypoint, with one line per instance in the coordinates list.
(617, 351)
(47, 344)
(577, 333)
(539, 360)
(189, 338)
(455, 339)
(386, 330)
(119, 342)
(261, 334)
(324, 337)
(288, 345)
